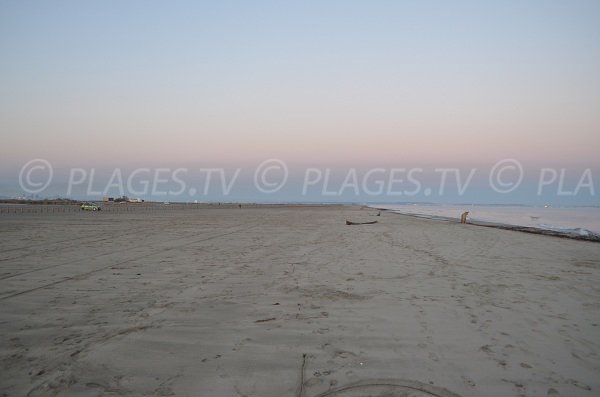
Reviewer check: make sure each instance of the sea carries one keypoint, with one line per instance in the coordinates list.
(578, 221)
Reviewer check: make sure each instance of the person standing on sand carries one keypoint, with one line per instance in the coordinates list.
(463, 217)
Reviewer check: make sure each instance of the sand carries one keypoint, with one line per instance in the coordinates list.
(289, 301)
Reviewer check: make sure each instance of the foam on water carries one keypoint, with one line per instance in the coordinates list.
(583, 221)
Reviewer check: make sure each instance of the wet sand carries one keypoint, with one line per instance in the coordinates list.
(290, 301)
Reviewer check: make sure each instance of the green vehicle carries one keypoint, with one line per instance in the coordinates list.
(90, 207)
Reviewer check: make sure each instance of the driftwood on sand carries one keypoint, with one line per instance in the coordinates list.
(360, 223)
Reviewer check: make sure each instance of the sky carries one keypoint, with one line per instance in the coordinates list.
(336, 84)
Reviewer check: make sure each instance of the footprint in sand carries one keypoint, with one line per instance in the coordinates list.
(579, 385)
(468, 381)
(433, 356)
(350, 374)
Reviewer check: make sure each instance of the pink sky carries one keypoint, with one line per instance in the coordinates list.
(400, 84)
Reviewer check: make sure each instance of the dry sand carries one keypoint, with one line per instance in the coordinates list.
(289, 301)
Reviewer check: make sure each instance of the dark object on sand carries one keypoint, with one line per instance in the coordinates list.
(265, 320)
(378, 214)
(360, 223)
(387, 387)
(463, 217)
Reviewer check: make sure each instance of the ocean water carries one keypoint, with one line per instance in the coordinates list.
(582, 221)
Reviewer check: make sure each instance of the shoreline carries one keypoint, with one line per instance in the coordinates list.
(25, 209)
(592, 237)
(6, 209)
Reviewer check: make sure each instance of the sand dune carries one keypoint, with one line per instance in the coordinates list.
(289, 301)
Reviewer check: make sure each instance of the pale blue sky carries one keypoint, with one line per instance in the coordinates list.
(440, 83)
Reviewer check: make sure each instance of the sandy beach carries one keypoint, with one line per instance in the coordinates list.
(289, 301)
